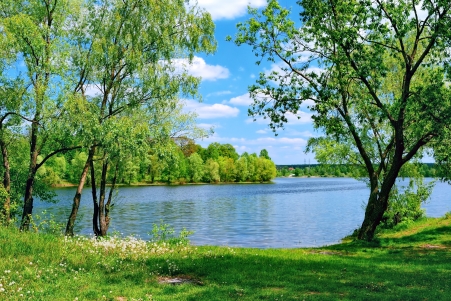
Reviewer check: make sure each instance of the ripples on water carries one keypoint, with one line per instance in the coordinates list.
(292, 212)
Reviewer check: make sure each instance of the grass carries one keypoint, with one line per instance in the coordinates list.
(409, 263)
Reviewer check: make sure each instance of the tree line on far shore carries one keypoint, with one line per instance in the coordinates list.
(427, 170)
(182, 161)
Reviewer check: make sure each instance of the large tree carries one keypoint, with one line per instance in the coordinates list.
(34, 33)
(373, 72)
(124, 60)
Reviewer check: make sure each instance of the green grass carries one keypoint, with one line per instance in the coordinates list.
(410, 263)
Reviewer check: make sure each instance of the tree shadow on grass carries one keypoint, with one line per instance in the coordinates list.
(310, 276)
(441, 235)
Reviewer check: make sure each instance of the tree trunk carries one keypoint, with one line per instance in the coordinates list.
(102, 221)
(28, 202)
(6, 210)
(28, 199)
(76, 203)
(95, 215)
(377, 205)
(110, 198)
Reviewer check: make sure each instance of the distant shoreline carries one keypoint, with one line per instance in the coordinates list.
(139, 184)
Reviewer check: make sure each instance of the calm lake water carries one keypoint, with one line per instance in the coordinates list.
(291, 212)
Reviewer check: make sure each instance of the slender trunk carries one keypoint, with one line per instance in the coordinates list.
(28, 199)
(110, 198)
(95, 216)
(102, 221)
(6, 210)
(76, 203)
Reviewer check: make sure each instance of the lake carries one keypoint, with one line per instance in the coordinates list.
(289, 213)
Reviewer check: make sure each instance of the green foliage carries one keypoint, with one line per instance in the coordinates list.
(46, 223)
(264, 154)
(3, 210)
(405, 207)
(373, 73)
(266, 169)
(297, 172)
(242, 172)
(196, 169)
(165, 234)
(211, 171)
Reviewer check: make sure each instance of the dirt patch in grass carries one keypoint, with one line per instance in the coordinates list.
(177, 280)
(326, 252)
(427, 246)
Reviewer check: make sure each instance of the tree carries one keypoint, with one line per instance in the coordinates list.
(212, 151)
(227, 170)
(266, 169)
(264, 154)
(227, 150)
(373, 72)
(242, 169)
(211, 171)
(252, 167)
(127, 57)
(196, 167)
(35, 33)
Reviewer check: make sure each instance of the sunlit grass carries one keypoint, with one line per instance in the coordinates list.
(410, 263)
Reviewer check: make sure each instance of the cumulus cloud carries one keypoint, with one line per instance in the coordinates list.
(210, 111)
(242, 100)
(220, 9)
(200, 68)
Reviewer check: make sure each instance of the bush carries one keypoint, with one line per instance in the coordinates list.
(163, 233)
(405, 207)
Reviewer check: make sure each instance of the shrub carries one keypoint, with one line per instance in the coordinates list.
(405, 207)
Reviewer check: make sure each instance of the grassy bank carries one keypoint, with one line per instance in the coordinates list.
(409, 264)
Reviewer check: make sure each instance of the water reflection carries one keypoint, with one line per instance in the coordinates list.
(292, 212)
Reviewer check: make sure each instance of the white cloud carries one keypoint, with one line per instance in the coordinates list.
(92, 91)
(264, 142)
(242, 100)
(291, 132)
(208, 126)
(220, 9)
(261, 132)
(300, 118)
(219, 93)
(293, 119)
(210, 111)
(200, 68)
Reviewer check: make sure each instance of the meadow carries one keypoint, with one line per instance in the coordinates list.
(411, 262)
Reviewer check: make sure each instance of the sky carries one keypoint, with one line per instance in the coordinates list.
(226, 76)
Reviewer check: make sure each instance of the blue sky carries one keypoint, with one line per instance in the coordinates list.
(226, 76)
